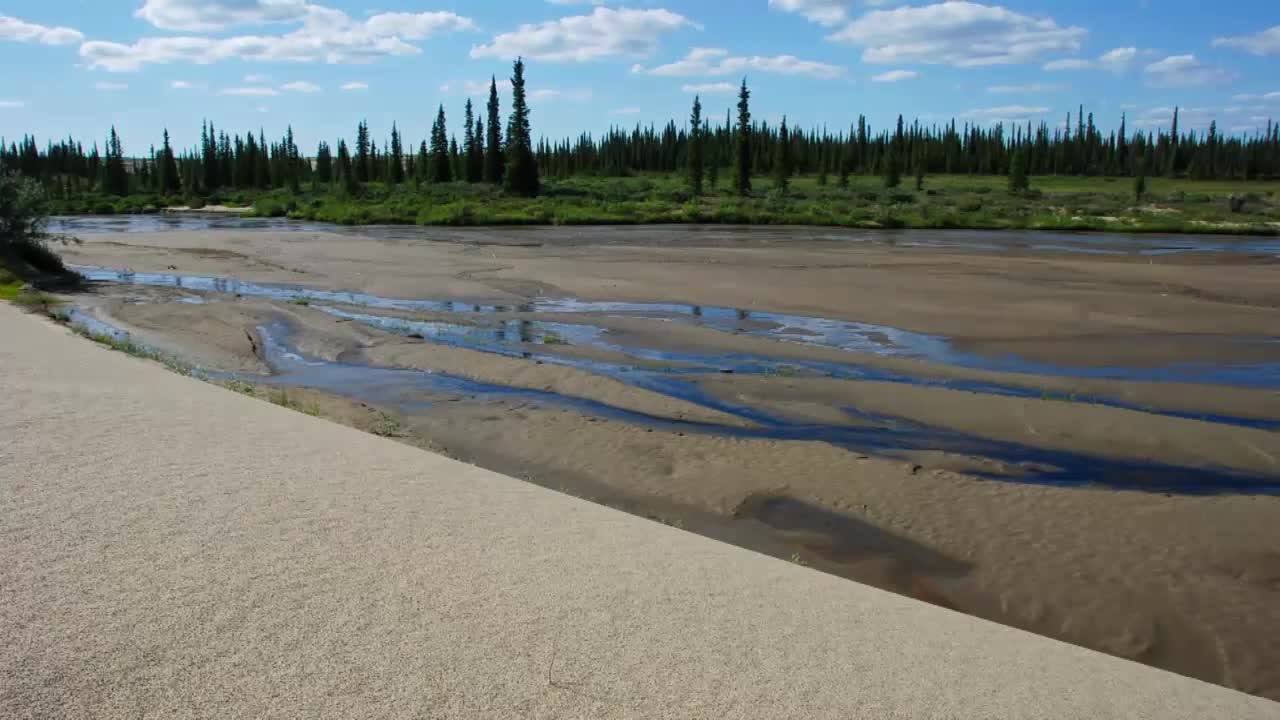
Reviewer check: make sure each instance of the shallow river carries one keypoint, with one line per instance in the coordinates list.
(678, 374)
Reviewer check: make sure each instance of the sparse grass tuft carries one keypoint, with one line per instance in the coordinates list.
(129, 346)
(386, 426)
(34, 301)
(243, 387)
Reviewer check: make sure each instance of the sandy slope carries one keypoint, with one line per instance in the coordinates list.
(175, 550)
(1184, 583)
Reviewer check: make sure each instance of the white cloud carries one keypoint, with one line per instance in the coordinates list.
(110, 86)
(1028, 89)
(1183, 71)
(250, 91)
(186, 85)
(256, 78)
(301, 86)
(823, 12)
(605, 32)
(576, 2)
(895, 76)
(625, 111)
(209, 16)
(718, 61)
(1162, 117)
(474, 87)
(549, 94)
(12, 104)
(1006, 113)
(955, 32)
(1265, 97)
(1266, 42)
(1115, 60)
(717, 88)
(11, 28)
(326, 35)
(480, 88)
(355, 86)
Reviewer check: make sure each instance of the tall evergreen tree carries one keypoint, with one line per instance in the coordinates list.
(478, 159)
(742, 153)
(169, 181)
(495, 161)
(396, 158)
(696, 159)
(440, 170)
(363, 164)
(1139, 178)
(115, 176)
(522, 166)
(350, 183)
(782, 168)
(892, 168)
(1018, 182)
(471, 143)
(324, 163)
(262, 170)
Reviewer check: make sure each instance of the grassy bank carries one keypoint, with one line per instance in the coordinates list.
(949, 201)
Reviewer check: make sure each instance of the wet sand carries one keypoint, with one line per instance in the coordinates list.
(1187, 583)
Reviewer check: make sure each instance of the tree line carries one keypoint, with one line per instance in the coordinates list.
(706, 150)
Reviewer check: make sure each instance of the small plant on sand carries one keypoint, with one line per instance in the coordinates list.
(386, 426)
(241, 386)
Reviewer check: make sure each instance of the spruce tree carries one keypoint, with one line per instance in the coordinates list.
(262, 169)
(474, 162)
(1139, 178)
(440, 170)
(324, 163)
(362, 158)
(169, 183)
(892, 169)
(396, 157)
(696, 158)
(1018, 182)
(742, 153)
(478, 159)
(292, 162)
(456, 169)
(350, 183)
(782, 159)
(116, 177)
(494, 160)
(522, 166)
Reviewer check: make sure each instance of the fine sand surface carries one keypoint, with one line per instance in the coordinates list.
(1190, 584)
(173, 549)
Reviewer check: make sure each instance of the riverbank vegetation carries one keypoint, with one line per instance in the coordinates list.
(1070, 177)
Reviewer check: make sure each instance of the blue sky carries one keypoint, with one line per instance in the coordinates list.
(77, 67)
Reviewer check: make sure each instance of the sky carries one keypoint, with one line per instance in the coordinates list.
(78, 67)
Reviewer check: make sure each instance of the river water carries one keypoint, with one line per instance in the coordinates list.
(1090, 243)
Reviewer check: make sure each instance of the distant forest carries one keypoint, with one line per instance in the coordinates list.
(499, 150)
